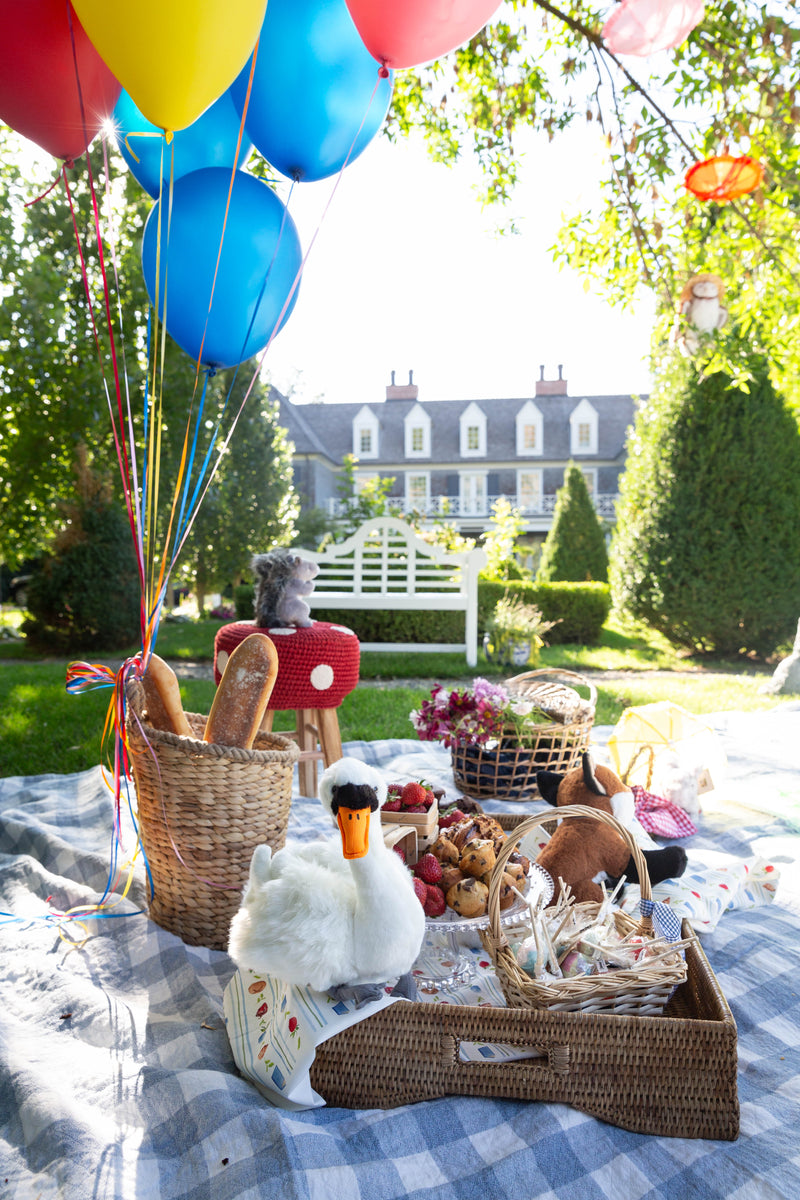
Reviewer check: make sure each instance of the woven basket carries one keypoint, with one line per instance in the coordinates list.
(640, 990)
(202, 811)
(672, 1075)
(508, 772)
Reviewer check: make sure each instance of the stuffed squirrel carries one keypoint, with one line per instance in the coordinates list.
(284, 579)
(701, 304)
(582, 849)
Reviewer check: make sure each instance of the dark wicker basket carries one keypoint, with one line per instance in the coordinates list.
(508, 771)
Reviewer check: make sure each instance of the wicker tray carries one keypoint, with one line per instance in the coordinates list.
(672, 1075)
(509, 771)
(202, 811)
(642, 989)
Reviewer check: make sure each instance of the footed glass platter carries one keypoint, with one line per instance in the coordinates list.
(442, 961)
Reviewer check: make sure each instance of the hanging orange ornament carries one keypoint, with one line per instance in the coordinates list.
(724, 177)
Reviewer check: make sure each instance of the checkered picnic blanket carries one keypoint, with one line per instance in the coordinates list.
(117, 1079)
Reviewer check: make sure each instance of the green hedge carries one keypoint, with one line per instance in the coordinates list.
(581, 609)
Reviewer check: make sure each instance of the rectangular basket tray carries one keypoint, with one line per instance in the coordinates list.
(673, 1075)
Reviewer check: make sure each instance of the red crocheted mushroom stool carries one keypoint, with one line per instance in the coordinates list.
(317, 667)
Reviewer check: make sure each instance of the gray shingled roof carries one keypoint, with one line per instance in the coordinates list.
(327, 429)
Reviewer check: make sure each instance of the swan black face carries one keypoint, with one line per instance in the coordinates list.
(352, 804)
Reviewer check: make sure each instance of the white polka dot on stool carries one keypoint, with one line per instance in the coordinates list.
(322, 677)
(283, 629)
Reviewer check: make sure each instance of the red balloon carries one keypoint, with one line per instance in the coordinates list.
(405, 33)
(39, 95)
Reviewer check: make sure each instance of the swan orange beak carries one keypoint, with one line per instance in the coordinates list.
(354, 828)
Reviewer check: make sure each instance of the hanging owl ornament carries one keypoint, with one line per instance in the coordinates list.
(700, 312)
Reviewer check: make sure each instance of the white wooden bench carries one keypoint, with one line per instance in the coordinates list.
(385, 565)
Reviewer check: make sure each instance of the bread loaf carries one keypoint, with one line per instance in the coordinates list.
(243, 693)
(162, 698)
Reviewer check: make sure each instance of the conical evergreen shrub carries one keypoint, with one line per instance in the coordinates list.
(707, 543)
(575, 547)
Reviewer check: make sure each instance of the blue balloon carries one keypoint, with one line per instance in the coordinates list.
(260, 259)
(311, 89)
(209, 142)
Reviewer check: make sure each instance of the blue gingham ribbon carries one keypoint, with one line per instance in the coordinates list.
(666, 922)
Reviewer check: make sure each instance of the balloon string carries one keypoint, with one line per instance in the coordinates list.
(119, 441)
(151, 133)
(127, 481)
(188, 459)
(227, 205)
(382, 74)
(67, 163)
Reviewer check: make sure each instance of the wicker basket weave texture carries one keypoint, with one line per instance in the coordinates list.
(642, 989)
(509, 772)
(202, 811)
(672, 1075)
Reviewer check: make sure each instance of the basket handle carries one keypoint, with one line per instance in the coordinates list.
(553, 673)
(495, 932)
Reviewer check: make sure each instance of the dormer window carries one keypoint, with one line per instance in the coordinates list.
(417, 426)
(472, 432)
(529, 430)
(365, 434)
(583, 429)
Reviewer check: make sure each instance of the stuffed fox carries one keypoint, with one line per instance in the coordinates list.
(582, 851)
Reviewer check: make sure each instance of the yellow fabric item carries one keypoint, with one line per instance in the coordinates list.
(649, 732)
(173, 57)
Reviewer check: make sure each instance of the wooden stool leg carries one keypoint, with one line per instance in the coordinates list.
(266, 724)
(307, 742)
(329, 737)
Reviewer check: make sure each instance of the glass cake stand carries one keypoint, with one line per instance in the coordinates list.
(458, 967)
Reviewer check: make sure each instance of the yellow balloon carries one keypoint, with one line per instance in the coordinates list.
(173, 57)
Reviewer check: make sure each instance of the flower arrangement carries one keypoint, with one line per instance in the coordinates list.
(482, 714)
(515, 632)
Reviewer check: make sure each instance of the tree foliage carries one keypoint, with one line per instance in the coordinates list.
(707, 543)
(575, 546)
(57, 381)
(732, 84)
(91, 559)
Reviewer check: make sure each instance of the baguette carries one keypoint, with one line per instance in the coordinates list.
(243, 693)
(162, 698)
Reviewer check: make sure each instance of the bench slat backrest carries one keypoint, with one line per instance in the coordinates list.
(385, 564)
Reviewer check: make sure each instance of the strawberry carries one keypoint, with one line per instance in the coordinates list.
(392, 805)
(428, 868)
(435, 902)
(421, 890)
(452, 818)
(400, 852)
(430, 799)
(417, 808)
(413, 795)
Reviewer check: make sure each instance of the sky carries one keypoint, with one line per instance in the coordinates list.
(406, 273)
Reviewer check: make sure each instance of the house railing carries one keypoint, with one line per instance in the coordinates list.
(456, 507)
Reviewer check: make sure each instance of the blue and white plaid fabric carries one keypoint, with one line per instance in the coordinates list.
(666, 922)
(117, 1081)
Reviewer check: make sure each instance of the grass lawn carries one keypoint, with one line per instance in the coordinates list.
(44, 730)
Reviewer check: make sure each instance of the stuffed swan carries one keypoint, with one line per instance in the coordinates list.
(337, 912)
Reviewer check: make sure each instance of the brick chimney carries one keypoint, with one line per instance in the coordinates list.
(402, 391)
(551, 387)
